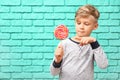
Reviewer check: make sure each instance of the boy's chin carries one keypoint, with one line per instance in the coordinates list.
(83, 35)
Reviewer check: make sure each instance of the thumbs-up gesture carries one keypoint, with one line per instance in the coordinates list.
(59, 53)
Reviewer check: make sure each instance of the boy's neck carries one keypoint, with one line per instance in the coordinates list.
(75, 38)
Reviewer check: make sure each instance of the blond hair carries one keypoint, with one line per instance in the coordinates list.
(86, 11)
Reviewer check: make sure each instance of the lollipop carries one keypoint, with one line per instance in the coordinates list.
(61, 32)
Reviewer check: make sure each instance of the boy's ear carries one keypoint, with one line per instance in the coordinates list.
(96, 26)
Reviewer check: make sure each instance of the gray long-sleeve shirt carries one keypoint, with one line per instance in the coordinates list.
(78, 61)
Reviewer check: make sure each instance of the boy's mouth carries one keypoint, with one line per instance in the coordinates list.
(81, 31)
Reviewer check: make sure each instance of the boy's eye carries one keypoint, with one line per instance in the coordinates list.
(79, 23)
(87, 24)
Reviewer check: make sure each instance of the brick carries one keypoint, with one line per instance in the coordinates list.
(108, 9)
(101, 29)
(49, 29)
(4, 62)
(114, 42)
(11, 29)
(102, 2)
(22, 36)
(43, 36)
(50, 42)
(108, 36)
(115, 15)
(104, 16)
(43, 23)
(119, 62)
(95, 76)
(10, 56)
(32, 56)
(47, 62)
(32, 16)
(48, 55)
(71, 29)
(65, 22)
(10, 3)
(64, 9)
(94, 35)
(114, 69)
(32, 2)
(32, 43)
(4, 75)
(52, 16)
(20, 9)
(114, 56)
(4, 23)
(42, 75)
(32, 69)
(109, 22)
(38, 62)
(4, 36)
(11, 69)
(70, 16)
(4, 49)
(20, 49)
(32, 29)
(46, 69)
(42, 9)
(112, 62)
(53, 2)
(75, 2)
(108, 76)
(10, 16)
(115, 29)
(4, 9)
(115, 2)
(103, 42)
(119, 49)
(42, 49)
(111, 49)
(22, 75)
(21, 62)
(11, 43)
(21, 22)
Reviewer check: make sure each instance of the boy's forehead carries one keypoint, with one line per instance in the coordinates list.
(88, 18)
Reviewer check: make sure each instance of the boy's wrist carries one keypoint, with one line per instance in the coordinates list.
(95, 44)
(57, 65)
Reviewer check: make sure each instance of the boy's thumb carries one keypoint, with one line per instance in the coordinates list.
(60, 45)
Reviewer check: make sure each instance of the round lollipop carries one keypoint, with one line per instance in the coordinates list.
(61, 32)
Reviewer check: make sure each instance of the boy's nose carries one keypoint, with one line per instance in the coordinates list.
(81, 26)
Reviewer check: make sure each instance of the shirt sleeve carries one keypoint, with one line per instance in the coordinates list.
(55, 68)
(99, 55)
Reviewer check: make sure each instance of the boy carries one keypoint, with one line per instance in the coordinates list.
(74, 57)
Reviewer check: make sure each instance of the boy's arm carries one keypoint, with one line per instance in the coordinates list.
(99, 55)
(56, 64)
(55, 68)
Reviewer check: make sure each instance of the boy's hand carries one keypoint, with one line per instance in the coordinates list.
(59, 53)
(86, 40)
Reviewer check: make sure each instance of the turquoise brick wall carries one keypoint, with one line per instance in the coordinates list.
(27, 42)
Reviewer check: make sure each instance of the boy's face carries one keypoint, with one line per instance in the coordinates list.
(85, 25)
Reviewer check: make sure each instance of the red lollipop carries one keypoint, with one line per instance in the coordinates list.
(61, 32)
